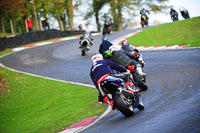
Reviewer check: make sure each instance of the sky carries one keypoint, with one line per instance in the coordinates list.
(191, 5)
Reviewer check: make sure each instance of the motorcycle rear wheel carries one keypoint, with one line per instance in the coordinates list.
(104, 31)
(83, 51)
(122, 105)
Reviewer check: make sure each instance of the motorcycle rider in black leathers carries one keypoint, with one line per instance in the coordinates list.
(104, 48)
(126, 59)
(135, 52)
(174, 14)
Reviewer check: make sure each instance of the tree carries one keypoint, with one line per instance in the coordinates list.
(57, 11)
(2, 26)
(118, 6)
(70, 14)
(97, 5)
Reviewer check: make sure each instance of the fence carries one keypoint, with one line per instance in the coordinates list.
(34, 36)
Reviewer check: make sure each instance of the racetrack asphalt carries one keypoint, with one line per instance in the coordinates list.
(172, 103)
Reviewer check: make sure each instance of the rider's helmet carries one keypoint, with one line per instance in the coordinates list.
(126, 46)
(96, 57)
(113, 48)
(104, 38)
(124, 42)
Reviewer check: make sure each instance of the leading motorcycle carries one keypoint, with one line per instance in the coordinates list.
(120, 97)
(185, 14)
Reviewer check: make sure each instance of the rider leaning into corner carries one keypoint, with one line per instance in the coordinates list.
(102, 69)
(104, 48)
(144, 12)
(173, 12)
(125, 59)
(132, 50)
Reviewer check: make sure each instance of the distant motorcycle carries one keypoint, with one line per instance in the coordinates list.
(174, 17)
(107, 28)
(86, 41)
(144, 21)
(185, 14)
(120, 98)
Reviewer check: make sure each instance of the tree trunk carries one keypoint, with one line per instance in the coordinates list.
(119, 7)
(60, 23)
(63, 19)
(2, 26)
(97, 20)
(58, 17)
(12, 24)
(115, 16)
(70, 14)
(39, 24)
(116, 10)
(26, 25)
(34, 16)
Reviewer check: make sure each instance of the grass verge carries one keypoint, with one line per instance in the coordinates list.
(33, 104)
(175, 33)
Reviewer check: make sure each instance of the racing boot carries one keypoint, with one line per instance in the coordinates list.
(100, 98)
(141, 73)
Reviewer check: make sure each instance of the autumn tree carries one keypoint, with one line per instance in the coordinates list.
(12, 8)
(118, 6)
(70, 14)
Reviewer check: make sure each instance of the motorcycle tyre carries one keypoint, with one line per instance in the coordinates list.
(121, 105)
(83, 51)
(139, 82)
(104, 31)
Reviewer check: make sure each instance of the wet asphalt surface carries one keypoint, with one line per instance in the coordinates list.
(172, 102)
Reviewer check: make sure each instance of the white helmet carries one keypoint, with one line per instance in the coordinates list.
(112, 49)
(96, 57)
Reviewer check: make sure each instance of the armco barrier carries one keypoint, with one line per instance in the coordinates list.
(34, 36)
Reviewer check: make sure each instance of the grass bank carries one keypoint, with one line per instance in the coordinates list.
(33, 104)
(175, 33)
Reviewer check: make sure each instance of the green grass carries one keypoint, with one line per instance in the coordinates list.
(175, 33)
(33, 104)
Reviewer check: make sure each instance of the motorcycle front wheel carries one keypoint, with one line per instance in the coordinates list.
(139, 82)
(120, 101)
